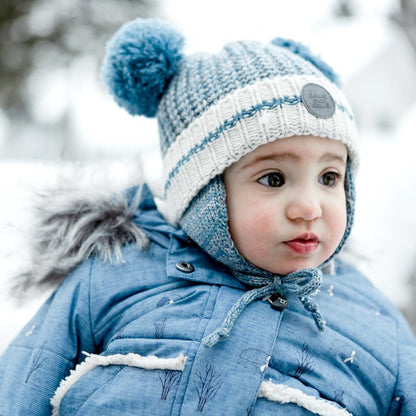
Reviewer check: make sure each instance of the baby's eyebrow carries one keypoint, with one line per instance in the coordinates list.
(331, 157)
(278, 157)
(275, 157)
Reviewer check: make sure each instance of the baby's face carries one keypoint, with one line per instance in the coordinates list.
(286, 203)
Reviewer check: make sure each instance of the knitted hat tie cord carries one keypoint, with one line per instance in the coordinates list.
(302, 283)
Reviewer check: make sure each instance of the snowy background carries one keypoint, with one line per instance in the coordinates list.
(73, 128)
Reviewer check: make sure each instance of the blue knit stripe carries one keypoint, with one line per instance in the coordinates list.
(230, 123)
(204, 79)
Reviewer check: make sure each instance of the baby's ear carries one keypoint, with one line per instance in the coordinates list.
(141, 58)
(303, 51)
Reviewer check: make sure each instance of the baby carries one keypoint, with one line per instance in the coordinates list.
(286, 203)
(229, 300)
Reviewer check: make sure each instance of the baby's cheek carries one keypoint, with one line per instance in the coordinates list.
(260, 227)
(338, 222)
(263, 223)
(248, 226)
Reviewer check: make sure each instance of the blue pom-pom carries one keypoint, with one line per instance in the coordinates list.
(141, 59)
(303, 51)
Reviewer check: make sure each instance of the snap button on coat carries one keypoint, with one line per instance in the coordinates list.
(185, 267)
(277, 301)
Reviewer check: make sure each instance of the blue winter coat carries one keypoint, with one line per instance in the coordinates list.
(133, 333)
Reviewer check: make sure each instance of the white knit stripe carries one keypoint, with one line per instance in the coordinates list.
(284, 394)
(196, 172)
(265, 90)
(243, 137)
(132, 360)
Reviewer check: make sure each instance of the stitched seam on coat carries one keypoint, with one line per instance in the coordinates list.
(276, 332)
(338, 331)
(376, 305)
(24, 347)
(207, 318)
(89, 302)
(363, 349)
(398, 361)
(79, 411)
(289, 395)
(131, 360)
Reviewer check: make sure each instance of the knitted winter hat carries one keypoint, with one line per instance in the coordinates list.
(213, 109)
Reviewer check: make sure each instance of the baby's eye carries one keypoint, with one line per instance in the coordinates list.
(274, 180)
(329, 179)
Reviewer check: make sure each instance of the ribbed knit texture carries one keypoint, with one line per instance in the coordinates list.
(202, 80)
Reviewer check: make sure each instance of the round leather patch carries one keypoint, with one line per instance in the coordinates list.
(318, 101)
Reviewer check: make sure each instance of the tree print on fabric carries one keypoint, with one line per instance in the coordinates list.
(160, 328)
(207, 386)
(305, 362)
(169, 380)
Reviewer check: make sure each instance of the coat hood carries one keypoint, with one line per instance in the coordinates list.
(69, 225)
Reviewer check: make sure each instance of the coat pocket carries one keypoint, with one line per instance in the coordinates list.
(289, 395)
(102, 380)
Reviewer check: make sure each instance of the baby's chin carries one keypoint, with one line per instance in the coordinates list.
(284, 270)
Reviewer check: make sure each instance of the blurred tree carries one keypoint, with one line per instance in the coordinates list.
(37, 34)
(343, 8)
(405, 17)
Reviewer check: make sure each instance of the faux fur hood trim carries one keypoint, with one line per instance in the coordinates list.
(71, 224)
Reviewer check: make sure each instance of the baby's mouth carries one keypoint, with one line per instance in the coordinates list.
(304, 244)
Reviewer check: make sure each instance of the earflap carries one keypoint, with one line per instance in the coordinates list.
(141, 58)
(303, 51)
(349, 186)
(206, 222)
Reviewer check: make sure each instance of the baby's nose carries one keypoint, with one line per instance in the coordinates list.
(304, 206)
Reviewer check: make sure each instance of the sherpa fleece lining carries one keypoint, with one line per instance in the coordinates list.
(284, 394)
(132, 360)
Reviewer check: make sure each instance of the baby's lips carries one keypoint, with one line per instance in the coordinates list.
(306, 237)
(304, 244)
